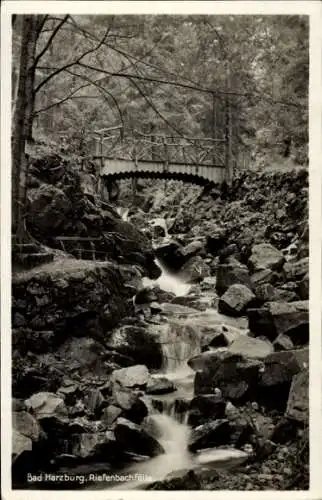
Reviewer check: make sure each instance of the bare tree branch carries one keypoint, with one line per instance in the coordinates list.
(131, 78)
(41, 24)
(41, 110)
(101, 89)
(149, 79)
(216, 93)
(69, 65)
(150, 103)
(139, 60)
(50, 39)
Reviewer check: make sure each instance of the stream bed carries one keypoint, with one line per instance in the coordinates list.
(168, 413)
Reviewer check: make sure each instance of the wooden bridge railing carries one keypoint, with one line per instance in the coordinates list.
(162, 148)
(73, 245)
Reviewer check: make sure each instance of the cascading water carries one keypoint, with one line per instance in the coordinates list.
(123, 212)
(168, 282)
(179, 343)
(168, 413)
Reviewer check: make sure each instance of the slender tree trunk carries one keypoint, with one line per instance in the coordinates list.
(30, 83)
(18, 138)
(23, 117)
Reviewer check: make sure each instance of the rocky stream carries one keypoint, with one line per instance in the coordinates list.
(180, 360)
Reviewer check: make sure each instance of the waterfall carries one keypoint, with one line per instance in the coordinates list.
(123, 213)
(173, 437)
(180, 342)
(168, 282)
(167, 419)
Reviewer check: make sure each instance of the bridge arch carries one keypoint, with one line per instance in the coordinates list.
(197, 174)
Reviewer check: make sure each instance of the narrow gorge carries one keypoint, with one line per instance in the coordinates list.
(161, 341)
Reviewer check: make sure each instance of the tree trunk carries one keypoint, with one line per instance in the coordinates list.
(18, 138)
(30, 83)
(22, 118)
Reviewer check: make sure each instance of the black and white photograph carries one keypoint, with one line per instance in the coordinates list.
(159, 250)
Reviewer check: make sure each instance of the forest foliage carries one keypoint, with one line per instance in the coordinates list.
(177, 75)
(100, 71)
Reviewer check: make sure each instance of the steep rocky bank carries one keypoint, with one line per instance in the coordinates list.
(86, 356)
(259, 207)
(67, 210)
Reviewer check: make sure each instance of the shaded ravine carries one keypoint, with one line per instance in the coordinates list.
(168, 413)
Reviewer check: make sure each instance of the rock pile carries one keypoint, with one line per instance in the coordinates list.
(78, 426)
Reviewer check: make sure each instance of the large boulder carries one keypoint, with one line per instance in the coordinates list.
(276, 377)
(219, 336)
(304, 287)
(231, 274)
(213, 433)
(291, 318)
(171, 256)
(110, 414)
(283, 343)
(194, 270)
(137, 413)
(145, 296)
(49, 209)
(137, 343)
(280, 367)
(235, 375)
(265, 256)
(46, 405)
(264, 292)
(206, 407)
(84, 354)
(216, 241)
(133, 438)
(50, 411)
(235, 300)
(98, 445)
(251, 347)
(298, 400)
(25, 424)
(229, 254)
(127, 384)
(82, 424)
(21, 444)
(264, 276)
(160, 385)
(192, 249)
(295, 271)
(284, 295)
(268, 293)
